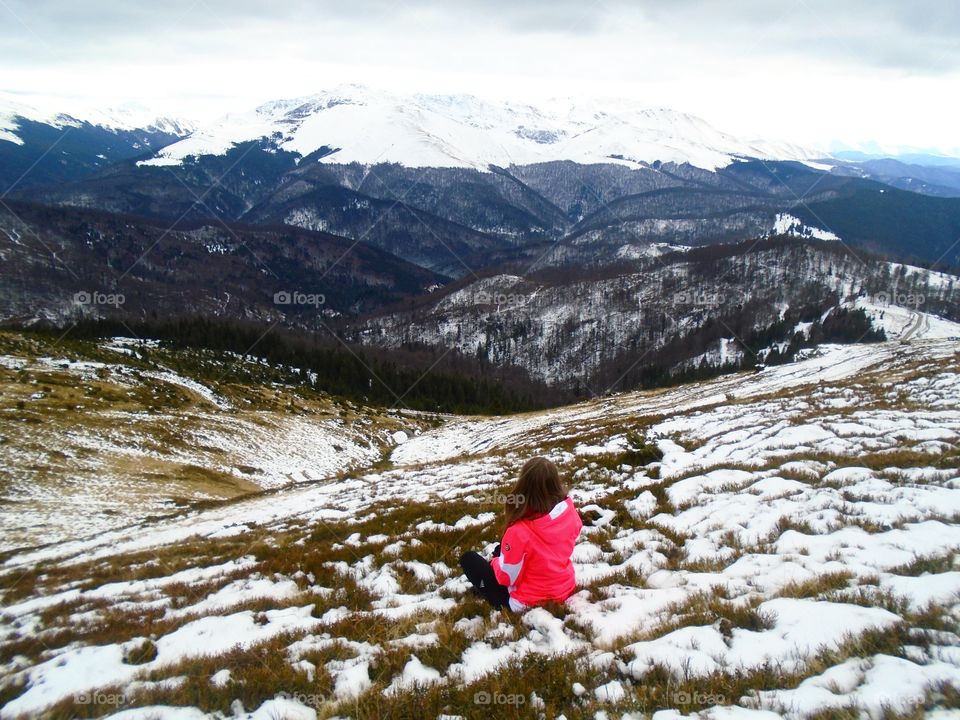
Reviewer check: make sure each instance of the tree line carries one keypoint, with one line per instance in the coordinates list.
(413, 378)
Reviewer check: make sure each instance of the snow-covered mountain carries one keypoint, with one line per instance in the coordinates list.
(356, 124)
(688, 311)
(453, 182)
(125, 117)
(43, 146)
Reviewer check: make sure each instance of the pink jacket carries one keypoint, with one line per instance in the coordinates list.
(534, 561)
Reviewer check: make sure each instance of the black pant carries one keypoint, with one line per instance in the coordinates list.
(478, 571)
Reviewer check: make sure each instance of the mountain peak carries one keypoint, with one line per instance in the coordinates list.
(460, 130)
(123, 117)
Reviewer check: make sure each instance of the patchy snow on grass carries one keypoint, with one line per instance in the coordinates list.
(801, 628)
(796, 511)
(872, 685)
(79, 670)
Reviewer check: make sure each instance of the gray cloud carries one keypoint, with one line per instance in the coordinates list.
(919, 37)
(51, 31)
(84, 23)
(862, 27)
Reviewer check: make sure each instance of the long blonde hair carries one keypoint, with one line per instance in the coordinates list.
(536, 492)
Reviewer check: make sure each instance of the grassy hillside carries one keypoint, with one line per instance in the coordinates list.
(121, 430)
(784, 540)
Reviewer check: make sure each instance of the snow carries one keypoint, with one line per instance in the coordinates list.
(925, 589)
(221, 678)
(787, 224)
(121, 591)
(906, 323)
(642, 506)
(160, 712)
(67, 112)
(279, 707)
(188, 384)
(415, 674)
(238, 592)
(117, 450)
(83, 669)
(481, 659)
(610, 692)
(759, 494)
(802, 627)
(366, 126)
(352, 681)
(870, 684)
(884, 550)
(614, 445)
(745, 434)
(476, 436)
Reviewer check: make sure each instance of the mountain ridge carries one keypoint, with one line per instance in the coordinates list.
(421, 130)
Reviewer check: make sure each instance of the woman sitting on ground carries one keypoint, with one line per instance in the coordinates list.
(531, 565)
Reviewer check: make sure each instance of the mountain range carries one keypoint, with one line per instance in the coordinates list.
(390, 207)
(353, 124)
(39, 147)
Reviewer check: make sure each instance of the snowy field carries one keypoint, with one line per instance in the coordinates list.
(792, 553)
(117, 443)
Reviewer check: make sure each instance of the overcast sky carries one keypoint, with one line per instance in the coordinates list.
(809, 71)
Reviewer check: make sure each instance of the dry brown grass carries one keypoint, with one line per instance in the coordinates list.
(299, 549)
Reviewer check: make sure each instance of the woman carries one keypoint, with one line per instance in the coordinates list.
(532, 564)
